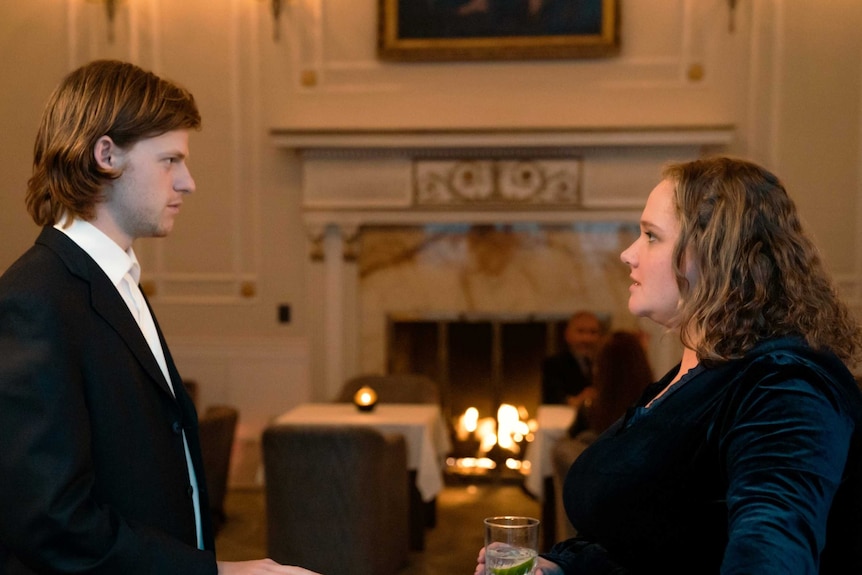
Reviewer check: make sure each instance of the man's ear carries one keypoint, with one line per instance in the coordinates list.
(107, 154)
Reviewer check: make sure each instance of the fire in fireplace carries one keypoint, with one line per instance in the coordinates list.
(495, 443)
(489, 371)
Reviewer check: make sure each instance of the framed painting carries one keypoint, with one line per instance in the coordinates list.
(416, 30)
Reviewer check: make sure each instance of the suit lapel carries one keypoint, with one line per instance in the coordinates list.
(106, 301)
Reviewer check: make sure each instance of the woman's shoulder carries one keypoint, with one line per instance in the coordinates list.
(793, 354)
(789, 364)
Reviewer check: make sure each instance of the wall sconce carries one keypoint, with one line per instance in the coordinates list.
(275, 8)
(365, 399)
(111, 12)
(731, 23)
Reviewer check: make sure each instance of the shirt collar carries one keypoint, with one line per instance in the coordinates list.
(109, 256)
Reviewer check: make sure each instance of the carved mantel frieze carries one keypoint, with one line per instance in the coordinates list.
(392, 177)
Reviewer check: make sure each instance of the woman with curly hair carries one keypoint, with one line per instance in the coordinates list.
(747, 456)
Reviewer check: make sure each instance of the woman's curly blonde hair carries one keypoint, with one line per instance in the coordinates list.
(759, 275)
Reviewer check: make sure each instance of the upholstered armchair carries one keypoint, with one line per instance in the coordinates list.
(217, 427)
(402, 388)
(336, 498)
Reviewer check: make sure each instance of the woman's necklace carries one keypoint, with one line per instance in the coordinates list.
(689, 362)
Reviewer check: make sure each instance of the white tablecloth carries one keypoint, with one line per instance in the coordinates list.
(553, 422)
(421, 425)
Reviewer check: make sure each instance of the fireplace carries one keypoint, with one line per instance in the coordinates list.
(488, 369)
(480, 361)
(457, 253)
(478, 307)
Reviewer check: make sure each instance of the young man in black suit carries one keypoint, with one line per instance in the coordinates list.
(100, 470)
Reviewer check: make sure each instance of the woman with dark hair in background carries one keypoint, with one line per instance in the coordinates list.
(621, 372)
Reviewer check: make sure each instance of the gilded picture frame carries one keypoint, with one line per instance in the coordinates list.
(439, 30)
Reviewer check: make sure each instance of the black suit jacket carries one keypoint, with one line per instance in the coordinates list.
(561, 377)
(93, 474)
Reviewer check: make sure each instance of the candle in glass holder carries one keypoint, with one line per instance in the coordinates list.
(365, 398)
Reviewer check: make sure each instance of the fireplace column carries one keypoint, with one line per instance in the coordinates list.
(332, 293)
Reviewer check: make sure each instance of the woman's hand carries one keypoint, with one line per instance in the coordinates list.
(480, 563)
(259, 567)
(543, 566)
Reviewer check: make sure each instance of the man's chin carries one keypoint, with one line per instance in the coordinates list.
(162, 231)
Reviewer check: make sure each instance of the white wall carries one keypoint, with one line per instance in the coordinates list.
(788, 79)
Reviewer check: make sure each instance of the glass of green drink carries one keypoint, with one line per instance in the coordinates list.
(511, 545)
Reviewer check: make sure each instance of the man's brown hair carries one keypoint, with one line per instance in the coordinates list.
(103, 98)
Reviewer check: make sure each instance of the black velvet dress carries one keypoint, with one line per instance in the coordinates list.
(733, 470)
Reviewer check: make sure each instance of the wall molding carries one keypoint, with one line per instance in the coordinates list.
(261, 376)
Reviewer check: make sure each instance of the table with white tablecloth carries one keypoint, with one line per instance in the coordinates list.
(553, 422)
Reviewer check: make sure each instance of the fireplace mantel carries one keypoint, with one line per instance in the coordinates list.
(357, 181)
(309, 140)
(375, 177)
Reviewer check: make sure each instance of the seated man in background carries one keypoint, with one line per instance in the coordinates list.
(567, 376)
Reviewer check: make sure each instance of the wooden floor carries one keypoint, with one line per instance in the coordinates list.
(450, 547)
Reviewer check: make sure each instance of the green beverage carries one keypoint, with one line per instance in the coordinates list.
(509, 560)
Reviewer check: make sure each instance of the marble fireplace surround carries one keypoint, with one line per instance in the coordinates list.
(489, 222)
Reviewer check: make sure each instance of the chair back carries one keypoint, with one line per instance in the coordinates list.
(336, 498)
(217, 428)
(393, 388)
